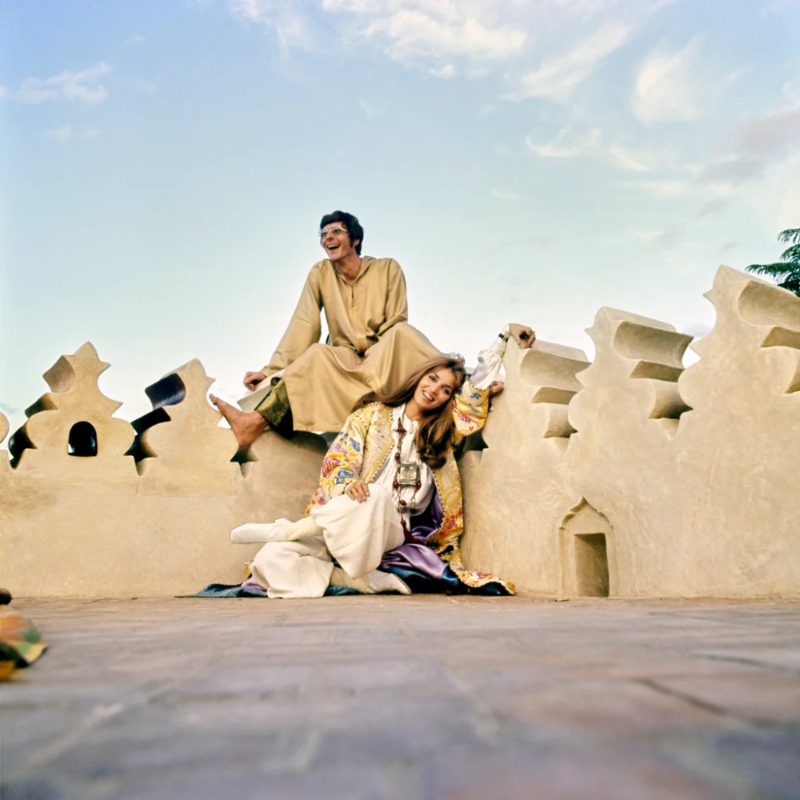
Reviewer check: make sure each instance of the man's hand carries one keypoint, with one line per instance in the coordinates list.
(253, 378)
(522, 334)
(358, 491)
(496, 388)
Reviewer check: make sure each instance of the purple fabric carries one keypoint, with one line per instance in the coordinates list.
(252, 583)
(417, 555)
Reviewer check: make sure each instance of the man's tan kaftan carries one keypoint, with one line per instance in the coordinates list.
(370, 344)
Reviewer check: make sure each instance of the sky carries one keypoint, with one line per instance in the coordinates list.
(164, 165)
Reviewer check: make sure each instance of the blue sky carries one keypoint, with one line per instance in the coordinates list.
(165, 164)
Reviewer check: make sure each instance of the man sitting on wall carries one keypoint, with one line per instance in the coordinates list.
(312, 386)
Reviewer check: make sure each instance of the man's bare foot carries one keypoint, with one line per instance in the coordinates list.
(246, 425)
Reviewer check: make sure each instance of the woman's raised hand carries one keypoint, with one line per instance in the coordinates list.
(522, 334)
(253, 378)
(358, 491)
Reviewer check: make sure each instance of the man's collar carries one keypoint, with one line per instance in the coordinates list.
(366, 263)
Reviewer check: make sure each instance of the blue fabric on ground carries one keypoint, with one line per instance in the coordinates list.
(418, 582)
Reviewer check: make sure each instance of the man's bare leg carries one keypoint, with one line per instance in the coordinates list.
(246, 425)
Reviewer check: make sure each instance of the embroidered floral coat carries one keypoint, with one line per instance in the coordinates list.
(364, 444)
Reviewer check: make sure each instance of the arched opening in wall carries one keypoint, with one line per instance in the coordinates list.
(82, 440)
(588, 562)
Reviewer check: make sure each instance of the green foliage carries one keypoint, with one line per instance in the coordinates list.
(786, 272)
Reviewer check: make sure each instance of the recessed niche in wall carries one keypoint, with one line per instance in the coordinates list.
(588, 559)
(591, 564)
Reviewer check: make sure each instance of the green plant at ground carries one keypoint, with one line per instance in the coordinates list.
(785, 272)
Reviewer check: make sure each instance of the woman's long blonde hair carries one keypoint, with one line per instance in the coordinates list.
(435, 430)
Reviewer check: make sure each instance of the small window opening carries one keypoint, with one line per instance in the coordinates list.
(82, 440)
(591, 564)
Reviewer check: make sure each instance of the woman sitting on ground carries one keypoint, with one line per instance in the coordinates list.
(389, 501)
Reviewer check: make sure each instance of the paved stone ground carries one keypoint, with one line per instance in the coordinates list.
(393, 698)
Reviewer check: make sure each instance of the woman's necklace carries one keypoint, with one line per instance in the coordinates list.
(407, 474)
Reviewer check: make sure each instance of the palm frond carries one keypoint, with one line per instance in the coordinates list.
(790, 235)
(792, 284)
(791, 254)
(778, 271)
(786, 273)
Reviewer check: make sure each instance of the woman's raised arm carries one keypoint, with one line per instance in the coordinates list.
(471, 404)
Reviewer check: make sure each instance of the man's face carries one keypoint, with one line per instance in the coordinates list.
(335, 241)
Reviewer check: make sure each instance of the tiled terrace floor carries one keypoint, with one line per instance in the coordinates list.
(394, 698)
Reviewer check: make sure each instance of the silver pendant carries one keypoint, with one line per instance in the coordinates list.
(407, 474)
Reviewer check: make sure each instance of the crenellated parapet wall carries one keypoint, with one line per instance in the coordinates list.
(676, 483)
(629, 476)
(94, 506)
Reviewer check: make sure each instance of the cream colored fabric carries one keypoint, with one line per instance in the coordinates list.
(355, 534)
(371, 345)
(357, 314)
(373, 582)
(293, 569)
(358, 534)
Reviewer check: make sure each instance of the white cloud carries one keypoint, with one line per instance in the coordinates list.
(630, 161)
(557, 76)
(733, 171)
(567, 144)
(668, 86)
(81, 86)
(410, 29)
(589, 143)
(132, 41)
(586, 9)
(285, 18)
(468, 38)
(503, 194)
(772, 196)
(445, 73)
(61, 133)
(759, 143)
(770, 136)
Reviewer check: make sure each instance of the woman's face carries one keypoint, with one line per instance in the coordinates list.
(435, 389)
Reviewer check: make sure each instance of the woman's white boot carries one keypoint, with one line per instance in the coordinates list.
(281, 530)
(260, 532)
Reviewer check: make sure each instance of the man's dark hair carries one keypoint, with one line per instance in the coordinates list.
(351, 223)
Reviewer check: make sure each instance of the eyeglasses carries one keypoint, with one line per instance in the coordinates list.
(336, 229)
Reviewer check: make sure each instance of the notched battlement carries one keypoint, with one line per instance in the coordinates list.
(540, 383)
